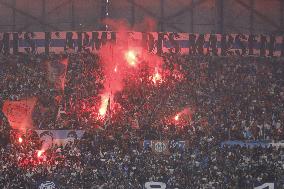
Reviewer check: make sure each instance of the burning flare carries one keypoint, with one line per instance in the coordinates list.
(156, 77)
(20, 140)
(131, 57)
(104, 105)
(39, 153)
(176, 117)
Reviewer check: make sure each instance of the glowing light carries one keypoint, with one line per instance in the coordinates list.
(104, 105)
(177, 117)
(64, 61)
(115, 69)
(131, 58)
(20, 140)
(156, 77)
(39, 153)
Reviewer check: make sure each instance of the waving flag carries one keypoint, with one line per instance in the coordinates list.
(57, 73)
(19, 113)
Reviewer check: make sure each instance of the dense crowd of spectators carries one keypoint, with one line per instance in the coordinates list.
(100, 161)
(229, 98)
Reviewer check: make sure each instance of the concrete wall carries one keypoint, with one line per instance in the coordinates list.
(206, 17)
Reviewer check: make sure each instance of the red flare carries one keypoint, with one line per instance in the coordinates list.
(176, 117)
(20, 140)
(104, 105)
(156, 77)
(39, 153)
(131, 57)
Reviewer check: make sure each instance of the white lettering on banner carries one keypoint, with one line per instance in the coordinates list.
(47, 185)
(265, 185)
(155, 185)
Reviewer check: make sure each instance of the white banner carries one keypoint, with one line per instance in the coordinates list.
(60, 137)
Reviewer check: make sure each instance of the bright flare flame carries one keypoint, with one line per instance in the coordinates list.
(104, 104)
(20, 140)
(156, 77)
(131, 58)
(177, 117)
(115, 69)
(39, 153)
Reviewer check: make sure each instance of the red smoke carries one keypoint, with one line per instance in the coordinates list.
(146, 25)
(123, 60)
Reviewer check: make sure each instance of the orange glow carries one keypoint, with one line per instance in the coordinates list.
(104, 104)
(20, 140)
(39, 153)
(131, 58)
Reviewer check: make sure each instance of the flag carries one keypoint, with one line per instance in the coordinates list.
(60, 112)
(57, 73)
(108, 114)
(157, 146)
(19, 113)
(135, 123)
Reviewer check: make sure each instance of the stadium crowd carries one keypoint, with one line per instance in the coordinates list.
(230, 98)
(98, 161)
